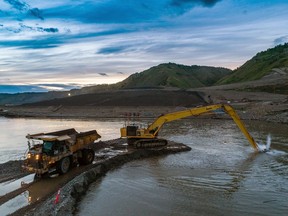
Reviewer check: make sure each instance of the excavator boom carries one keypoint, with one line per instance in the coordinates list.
(152, 131)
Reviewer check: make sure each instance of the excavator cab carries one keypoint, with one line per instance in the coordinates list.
(131, 130)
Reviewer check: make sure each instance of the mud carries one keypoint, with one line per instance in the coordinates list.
(11, 170)
(110, 155)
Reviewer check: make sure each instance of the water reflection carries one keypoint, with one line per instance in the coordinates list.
(14, 204)
(240, 173)
(8, 186)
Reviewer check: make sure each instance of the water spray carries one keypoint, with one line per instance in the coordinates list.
(268, 142)
(265, 148)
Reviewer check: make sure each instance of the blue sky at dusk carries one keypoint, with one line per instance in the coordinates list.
(64, 44)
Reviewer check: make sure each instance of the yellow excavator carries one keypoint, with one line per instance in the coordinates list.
(147, 137)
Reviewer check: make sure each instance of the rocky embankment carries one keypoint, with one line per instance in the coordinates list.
(261, 106)
(109, 155)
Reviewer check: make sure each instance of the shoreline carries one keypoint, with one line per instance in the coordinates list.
(262, 111)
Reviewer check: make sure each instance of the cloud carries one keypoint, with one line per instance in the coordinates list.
(110, 32)
(103, 74)
(40, 43)
(110, 11)
(48, 41)
(182, 6)
(58, 87)
(36, 13)
(38, 29)
(50, 30)
(12, 89)
(205, 3)
(115, 11)
(112, 50)
(25, 8)
(281, 40)
(18, 5)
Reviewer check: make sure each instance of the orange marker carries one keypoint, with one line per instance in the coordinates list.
(57, 197)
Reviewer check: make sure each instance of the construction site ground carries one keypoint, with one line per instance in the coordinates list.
(250, 105)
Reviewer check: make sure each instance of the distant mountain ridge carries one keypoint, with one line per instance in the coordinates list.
(31, 97)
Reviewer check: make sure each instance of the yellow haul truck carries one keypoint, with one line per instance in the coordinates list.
(148, 137)
(56, 152)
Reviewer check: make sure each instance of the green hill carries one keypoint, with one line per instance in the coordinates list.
(175, 75)
(260, 65)
(166, 75)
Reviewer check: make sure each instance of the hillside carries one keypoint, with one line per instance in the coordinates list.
(175, 75)
(260, 65)
(122, 98)
(165, 75)
(158, 77)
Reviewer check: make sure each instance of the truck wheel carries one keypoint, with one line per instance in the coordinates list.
(64, 165)
(87, 157)
(41, 176)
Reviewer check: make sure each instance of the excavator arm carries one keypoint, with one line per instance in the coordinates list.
(152, 131)
(229, 110)
(161, 120)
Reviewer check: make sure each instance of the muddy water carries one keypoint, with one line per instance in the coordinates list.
(13, 143)
(220, 176)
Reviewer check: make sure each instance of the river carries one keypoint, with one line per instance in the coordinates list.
(221, 175)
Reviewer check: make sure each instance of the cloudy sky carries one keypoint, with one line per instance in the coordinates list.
(62, 44)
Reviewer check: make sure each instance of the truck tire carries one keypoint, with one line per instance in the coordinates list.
(41, 176)
(87, 157)
(63, 165)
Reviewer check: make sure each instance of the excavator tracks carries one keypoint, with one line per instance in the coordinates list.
(150, 143)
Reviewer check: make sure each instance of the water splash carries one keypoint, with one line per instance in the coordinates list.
(268, 142)
(265, 148)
